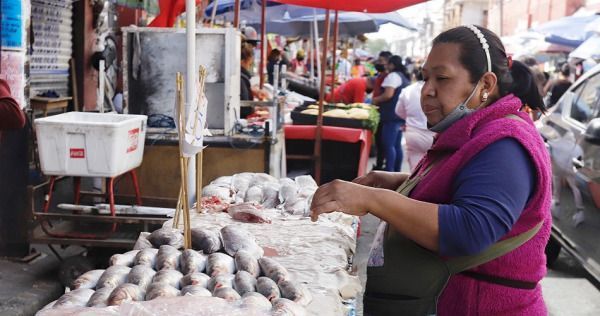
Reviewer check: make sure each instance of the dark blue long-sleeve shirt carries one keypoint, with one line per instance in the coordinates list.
(490, 193)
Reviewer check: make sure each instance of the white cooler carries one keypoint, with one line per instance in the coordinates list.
(90, 144)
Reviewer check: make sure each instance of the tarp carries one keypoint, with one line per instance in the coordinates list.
(569, 31)
(589, 49)
(355, 5)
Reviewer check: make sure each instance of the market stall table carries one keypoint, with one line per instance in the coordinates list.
(296, 135)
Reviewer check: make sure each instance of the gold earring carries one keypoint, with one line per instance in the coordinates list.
(485, 96)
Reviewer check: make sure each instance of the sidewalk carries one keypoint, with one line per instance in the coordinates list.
(27, 287)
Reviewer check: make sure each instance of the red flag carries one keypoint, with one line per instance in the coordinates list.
(355, 5)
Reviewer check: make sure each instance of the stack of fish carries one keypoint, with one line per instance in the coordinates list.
(249, 193)
(228, 264)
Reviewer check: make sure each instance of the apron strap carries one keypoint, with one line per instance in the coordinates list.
(459, 264)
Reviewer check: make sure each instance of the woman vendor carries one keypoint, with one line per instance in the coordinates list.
(485, 180)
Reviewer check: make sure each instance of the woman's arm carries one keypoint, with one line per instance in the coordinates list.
(415, 219)
(387, 94)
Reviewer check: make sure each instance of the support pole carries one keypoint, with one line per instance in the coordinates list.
(236, 14)
(190, 86)
(263, 41)
(316, 37)
(333, 57)
(318, 132)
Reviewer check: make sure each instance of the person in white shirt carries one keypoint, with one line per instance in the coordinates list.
(343, 68)
(418, 138)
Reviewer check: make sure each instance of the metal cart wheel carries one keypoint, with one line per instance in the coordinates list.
(71, 268)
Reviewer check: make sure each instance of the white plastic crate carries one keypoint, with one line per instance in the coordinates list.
(90, 144)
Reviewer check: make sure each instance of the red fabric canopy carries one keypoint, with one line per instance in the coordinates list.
(169, 11)
(381, 6)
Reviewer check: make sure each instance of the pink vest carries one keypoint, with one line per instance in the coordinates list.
(455, 147)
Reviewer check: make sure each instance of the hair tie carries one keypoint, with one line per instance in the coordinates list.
(509, 61)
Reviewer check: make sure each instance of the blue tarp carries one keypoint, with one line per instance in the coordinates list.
(569, 31)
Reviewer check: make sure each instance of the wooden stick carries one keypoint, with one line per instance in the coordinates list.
(183, 165)
(202, 78)
(318, 131)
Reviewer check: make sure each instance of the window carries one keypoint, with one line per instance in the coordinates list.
(584, 106)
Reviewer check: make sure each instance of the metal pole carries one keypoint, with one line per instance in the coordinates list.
(318, 132)
(311, 58)
(333, 65)
(236, 14)
(263, 42)
(190, 87)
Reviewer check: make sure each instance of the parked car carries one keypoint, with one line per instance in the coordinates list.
(571, 130)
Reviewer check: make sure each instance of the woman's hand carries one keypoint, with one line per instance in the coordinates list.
(340, 196)
(382, 179)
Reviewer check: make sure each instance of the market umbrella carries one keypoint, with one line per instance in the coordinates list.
(355, 5)
(589, 49)
(569, 31)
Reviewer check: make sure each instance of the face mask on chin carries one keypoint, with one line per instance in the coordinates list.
(459, 112)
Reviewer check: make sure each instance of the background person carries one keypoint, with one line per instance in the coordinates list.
(380, 66)
(352, 91)
(486, 178)
(554, 89)
(418, 138)
(391, 124)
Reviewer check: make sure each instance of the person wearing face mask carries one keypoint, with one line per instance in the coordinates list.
(473, 219)
(391, 124)
(380, 66)
(247, 91)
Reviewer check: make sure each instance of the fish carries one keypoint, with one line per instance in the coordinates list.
(167, 258)
(222, 280)
(295, 291)
(223, 181)
(273, 269)
(285, 307)
(223, 193)
(236, 238)
(195, 278)
(192, 261)
(244, 282)
(100, 297)
(113, 277)
(271, 195)
(288, 190)
(161, 290)
(125, 259)
(262, 178)
(143, 242)
(227, 293)
(146, 257)
(166, 236)
(170, 277)
(141, 275)
(240, 183)
(75, 298)
(253, 300)
(306, 182)
(195, 290)
(268, 288)
(219, 263)
(254, 194)
(248, 212)
(212, 204)
(87, 280)
(297, 206)
(244, 261)
(206, 240)
(125, 293)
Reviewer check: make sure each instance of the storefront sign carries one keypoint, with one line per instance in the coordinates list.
(11, 25)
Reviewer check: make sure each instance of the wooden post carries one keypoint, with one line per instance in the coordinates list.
(318, 132)
(263, 42)
(183, 166)
(236, 14)
(333, 58)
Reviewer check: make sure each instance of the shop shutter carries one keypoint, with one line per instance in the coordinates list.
(52, 25)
